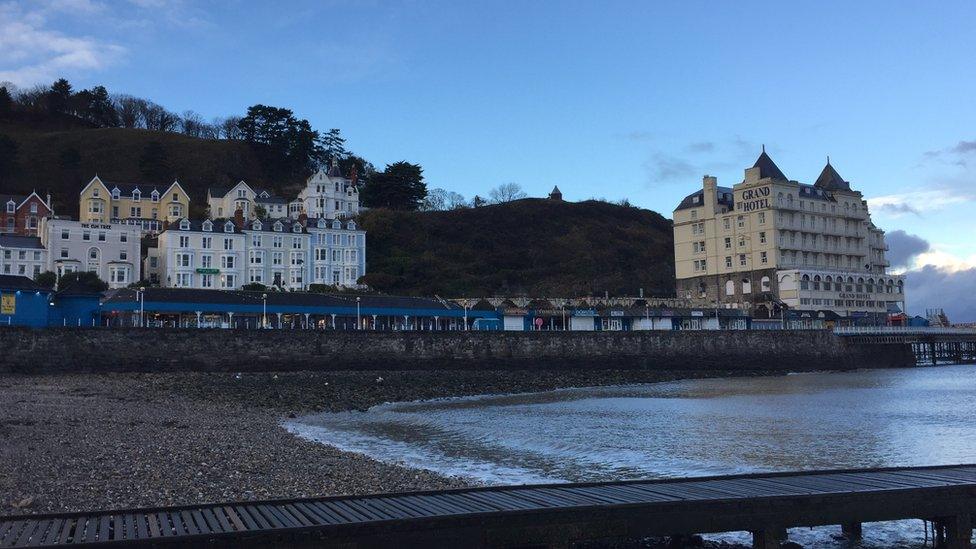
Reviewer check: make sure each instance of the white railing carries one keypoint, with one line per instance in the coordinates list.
(898, 330)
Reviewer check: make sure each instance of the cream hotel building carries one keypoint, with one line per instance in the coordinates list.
(775, 246)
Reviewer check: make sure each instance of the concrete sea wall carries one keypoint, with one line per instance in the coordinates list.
(26, 350)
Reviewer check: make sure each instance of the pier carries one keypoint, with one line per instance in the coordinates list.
(551, 516)
(930, 345)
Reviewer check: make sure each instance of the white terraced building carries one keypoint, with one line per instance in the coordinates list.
(771, 244)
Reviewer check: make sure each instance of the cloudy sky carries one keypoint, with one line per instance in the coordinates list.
(615, 100)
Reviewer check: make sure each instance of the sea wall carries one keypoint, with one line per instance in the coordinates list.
(26, 350)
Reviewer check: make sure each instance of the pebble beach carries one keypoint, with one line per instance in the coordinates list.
(103, 441)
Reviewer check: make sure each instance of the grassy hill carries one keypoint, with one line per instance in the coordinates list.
(61, 157)
(534, 246)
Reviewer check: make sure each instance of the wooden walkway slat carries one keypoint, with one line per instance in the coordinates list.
(240, 522)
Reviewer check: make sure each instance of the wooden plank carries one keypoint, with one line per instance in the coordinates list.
(456, 507)
(268, 516)
(129, 523)
(201, 522)
(91, 529)
(385, 508)
(352, 514)
(225, 525)
(362, 506)
(176, 518)
(142, 525)
(30, 526)
(51, 538)
(66, 530)
(407, 510)
(504, 500)
(297, 514)
(248, 518)
(14, 532)
(212, 523)
(317, 516)
(234, 518)
(104, 528)
(39, 532)
(154, 531)
(259, 519)
(324, 509)
(188, 523)
(282, 518)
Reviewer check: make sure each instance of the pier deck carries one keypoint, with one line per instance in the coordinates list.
(535, 516)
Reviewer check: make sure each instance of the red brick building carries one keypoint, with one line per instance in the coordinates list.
(21, 215)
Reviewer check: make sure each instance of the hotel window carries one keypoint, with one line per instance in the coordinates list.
(276, 242)
(86, 236)
(228, 281)
(742, 260)
(123, 237)
(276, 258)
(206, 261)
(694, 215)
(256, 240)
(135, 212)
(762, 237)
(257, 275)
(184, 242)
(728, 243)
(741, 221)
(183, 260)
(207, 242)
(742, 241)
(228, 243)
(762, 218)
(206, 281)
(764, 284)
(123, 255)
(101, 236)
(728, 262)
(227, 262)
(727, 223)
(64, 255)
(183, 280)
(746, 286)
(256, 257)
(763, 258)
(64, 234)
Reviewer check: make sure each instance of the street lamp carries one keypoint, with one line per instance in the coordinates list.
(359, 323)
(142, 306)
(264, 310)
(465, 305)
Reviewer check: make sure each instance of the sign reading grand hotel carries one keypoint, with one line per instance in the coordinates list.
(754, 199)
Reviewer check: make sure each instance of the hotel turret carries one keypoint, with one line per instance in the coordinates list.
(770, 244)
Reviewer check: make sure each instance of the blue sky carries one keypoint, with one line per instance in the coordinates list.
(615, 100)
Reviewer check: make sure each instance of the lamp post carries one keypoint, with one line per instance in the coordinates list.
(359, 322)
(465, 305)
(142, 306)
(264, 310)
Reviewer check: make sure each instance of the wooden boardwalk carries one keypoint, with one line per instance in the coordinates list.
(553, 515)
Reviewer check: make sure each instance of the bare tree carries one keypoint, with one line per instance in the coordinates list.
(32, 99)
(191, 124)
(228, 127)
(506, 192)
(435, 200)
(455, 201)
(130, 111)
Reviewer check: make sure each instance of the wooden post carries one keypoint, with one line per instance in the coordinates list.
(769, 538)
(851, 530)
(958, 531)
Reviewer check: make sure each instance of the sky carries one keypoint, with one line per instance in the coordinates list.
(614, 100)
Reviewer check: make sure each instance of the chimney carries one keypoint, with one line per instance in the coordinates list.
(303, 219)
(710, 192)
(165, 224)
(239, 218)
(354, 175)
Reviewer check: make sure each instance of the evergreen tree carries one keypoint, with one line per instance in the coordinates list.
(59, 96)
(333, 146)
(399, 187)
(6, 103)
(8, 156)
(101, 110)
(154, 164)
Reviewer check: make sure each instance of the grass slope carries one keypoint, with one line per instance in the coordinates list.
(533, 246)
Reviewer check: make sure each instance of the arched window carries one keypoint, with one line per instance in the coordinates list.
(746, 286)
(764, 284)
(729, 287)
(805, 282)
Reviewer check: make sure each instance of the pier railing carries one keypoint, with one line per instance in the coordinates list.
(554, 515)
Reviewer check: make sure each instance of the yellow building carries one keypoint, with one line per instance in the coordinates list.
(145, 205)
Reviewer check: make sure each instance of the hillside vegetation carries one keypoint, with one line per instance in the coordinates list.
(536, 247)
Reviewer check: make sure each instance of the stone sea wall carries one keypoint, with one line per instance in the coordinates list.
(27, 350)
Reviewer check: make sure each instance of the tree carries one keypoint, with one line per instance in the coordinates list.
(333, 146)
(59, 96)
(254, 287)
(506, 192)
(455, 201)
(85, 281)
(6, 103)
(229, 127)
(435, 201)
(260, 211)
(47, 279)
(399, 187)
(191, 124)
(154, 163)
(130, 111)
(285, 144)
(477, 202)
(8, 156)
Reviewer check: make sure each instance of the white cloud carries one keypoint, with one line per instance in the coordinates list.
(32, 52)
(917, 202)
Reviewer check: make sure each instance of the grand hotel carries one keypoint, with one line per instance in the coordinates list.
(770, 245)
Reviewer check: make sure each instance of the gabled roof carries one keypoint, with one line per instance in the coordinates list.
(831, 180)
(768, 168)
(14, 282)
(221, 191)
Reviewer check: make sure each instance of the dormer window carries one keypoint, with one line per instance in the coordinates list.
(351, 226)
(321, 223)
(116, 193)
(154, 196)
(11, 206)
(228, 227)
(208, 226)
(185, 225)
(256, 225)
(296, 228)
(136, 195)
(277, 227)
